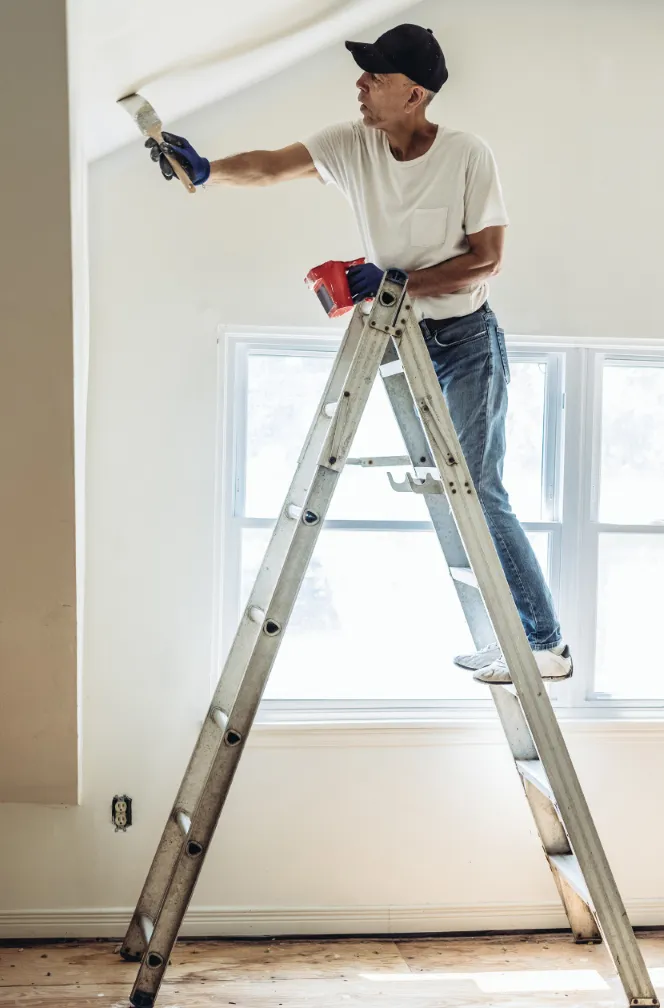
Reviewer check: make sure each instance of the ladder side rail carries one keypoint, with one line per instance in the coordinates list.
(286, 524)
(551, 831)
(194, 847)
(548, 738)
(195, 775)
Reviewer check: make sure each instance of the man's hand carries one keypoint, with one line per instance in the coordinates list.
(196, 167)
(364, 281)
(254, 168)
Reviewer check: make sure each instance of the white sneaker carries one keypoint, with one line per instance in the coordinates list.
(479, 659)
(554, 664)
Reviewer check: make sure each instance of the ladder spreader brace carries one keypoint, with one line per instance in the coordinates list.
(388, 341)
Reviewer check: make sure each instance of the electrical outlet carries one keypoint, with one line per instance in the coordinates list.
(121, 812)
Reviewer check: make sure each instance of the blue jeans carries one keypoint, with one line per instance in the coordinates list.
(470, 360)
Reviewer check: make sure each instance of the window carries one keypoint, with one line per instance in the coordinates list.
(378, 622)
(624, 522)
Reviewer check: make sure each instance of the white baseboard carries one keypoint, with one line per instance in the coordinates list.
(231, 922)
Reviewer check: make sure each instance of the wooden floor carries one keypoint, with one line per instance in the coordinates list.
(533, 971)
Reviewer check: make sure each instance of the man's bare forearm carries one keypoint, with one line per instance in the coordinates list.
(249, 169)
(451, 276)
(264, 167)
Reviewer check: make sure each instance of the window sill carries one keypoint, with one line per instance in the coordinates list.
(291, 725)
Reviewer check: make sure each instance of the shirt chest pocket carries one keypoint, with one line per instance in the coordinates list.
(428, 227)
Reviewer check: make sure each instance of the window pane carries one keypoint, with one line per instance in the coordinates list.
(629, 613)
(525, 432)
(632, 477)
(540, 543)
(282, 394)
(377, 618)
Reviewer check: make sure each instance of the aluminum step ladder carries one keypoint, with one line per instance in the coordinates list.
(389, 341)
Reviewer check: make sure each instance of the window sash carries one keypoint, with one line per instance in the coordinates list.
(581, 528)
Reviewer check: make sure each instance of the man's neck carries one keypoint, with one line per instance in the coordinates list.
(410, 140)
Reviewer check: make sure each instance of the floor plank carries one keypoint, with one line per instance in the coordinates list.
(527, 971)
(302, 994)
(93, 962)
(500, 952)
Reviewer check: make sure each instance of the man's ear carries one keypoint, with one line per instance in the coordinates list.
(416, 97)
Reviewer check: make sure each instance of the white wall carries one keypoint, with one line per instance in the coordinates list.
(334, 829)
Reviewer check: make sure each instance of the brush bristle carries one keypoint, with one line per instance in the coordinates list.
(141, 112)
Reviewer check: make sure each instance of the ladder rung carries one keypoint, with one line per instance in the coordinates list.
(533, 771)
(329, 409)
(464, 574)
(183, 821)
(392, 368)
(219, 718)
(147, 927)
(373, 461)
(567, 866)
(256, 615)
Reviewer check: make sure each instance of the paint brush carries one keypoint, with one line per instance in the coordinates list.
(150, 124)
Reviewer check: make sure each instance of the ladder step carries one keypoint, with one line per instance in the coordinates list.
(372, 462)
(147, 927)
(183, 821)
(464, 574)
(567, 866)
(219, 718)
(392, 368)
(533, 771)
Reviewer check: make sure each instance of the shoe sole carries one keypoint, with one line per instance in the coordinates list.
(508, 682)
(547, 678)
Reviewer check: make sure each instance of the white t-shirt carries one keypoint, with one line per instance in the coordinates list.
(414, 214)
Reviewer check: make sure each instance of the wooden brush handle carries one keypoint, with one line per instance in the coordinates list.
(175, 165)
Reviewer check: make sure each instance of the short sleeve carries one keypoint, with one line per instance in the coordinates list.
(331, 151)
(484, 205)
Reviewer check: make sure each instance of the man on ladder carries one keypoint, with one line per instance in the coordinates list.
(427, 200)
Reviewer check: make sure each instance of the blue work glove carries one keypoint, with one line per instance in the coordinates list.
(196, 167)
(364, 281)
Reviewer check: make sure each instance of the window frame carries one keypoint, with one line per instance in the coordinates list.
(583, 528)
(572, 403)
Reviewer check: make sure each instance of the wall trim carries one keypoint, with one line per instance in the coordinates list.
(229, 922)
(384, 733)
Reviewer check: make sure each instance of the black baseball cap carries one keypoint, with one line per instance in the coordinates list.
(407, 49)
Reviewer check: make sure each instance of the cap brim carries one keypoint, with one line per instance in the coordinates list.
(369, 58)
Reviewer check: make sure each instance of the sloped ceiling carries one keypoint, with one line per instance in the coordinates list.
(184, 55)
